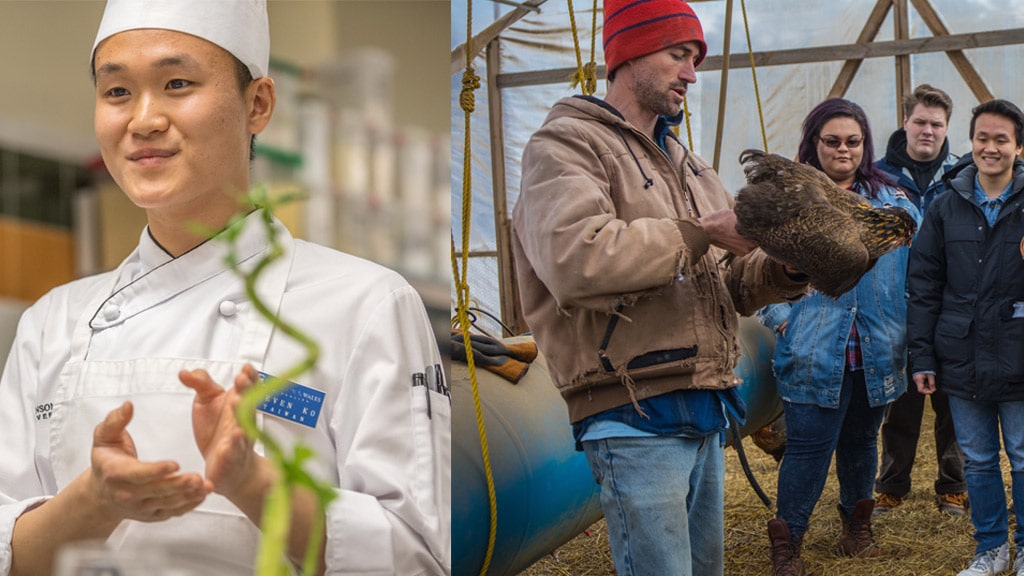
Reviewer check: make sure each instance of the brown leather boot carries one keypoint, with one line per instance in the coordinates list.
(785, 550)
(856, 539)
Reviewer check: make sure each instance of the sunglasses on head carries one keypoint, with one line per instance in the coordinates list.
(833, 142)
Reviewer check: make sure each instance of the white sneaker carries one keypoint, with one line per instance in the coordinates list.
(990, 562)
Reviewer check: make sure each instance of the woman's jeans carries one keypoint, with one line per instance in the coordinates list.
(662, 498)
(813, 434)
(977, 426)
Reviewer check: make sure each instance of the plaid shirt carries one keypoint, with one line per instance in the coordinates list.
(854, 358)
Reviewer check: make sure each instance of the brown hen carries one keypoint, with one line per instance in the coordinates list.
(798, 216)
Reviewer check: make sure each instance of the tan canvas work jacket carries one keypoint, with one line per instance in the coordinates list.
(606, 226)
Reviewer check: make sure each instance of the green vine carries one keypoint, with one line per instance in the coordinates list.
(277, 508)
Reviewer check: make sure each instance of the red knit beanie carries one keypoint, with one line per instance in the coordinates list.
(634, 28)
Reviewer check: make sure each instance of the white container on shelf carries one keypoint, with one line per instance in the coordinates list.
(415, 180)
(315, 174)
(351, 180)
(383, 235)
(362, 80)
(441, 205)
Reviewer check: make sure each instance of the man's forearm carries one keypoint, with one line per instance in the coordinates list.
(70, 516)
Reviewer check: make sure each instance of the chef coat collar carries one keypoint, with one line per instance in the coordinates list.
(151, 253)
(149, 276)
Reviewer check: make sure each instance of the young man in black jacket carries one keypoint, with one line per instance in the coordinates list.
(965, 322)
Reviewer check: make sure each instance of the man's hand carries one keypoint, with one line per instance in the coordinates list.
(720, 227)
(230, 459)
(925, 382)
(131, 489)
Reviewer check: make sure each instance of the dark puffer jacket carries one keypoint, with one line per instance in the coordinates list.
(965, 315)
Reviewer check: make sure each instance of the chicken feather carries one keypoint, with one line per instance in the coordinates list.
(798, 216)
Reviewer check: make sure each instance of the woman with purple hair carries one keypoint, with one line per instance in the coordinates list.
(838, 361)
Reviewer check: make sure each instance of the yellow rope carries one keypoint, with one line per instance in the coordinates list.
(577, 76)
(586, 74)
(753, 72)
(590, 69)
(470, 82)
(686, 115)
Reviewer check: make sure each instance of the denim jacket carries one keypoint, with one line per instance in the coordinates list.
(810, 357)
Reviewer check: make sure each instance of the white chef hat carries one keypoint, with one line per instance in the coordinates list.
(238, 26)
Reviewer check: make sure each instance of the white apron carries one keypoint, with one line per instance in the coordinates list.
(216, 537)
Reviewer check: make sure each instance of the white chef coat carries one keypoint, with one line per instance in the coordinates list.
(87, 346)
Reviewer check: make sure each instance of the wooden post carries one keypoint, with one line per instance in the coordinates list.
(724, 88)
(902, 32)
(509, 296)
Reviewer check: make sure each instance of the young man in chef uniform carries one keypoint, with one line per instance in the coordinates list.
(113, 421)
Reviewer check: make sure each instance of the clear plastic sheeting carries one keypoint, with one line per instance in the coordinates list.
(543, 41)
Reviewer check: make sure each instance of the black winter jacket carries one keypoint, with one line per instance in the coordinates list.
(965, 313)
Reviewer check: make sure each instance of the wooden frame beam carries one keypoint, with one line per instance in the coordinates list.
(963, 66)
(867, 34)
(858, 51)
(477, 43)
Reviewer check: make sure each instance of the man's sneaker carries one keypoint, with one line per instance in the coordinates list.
(954, 503)
(989, 563)
(885, 502)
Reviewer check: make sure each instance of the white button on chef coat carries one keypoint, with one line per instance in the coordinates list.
(228, 308)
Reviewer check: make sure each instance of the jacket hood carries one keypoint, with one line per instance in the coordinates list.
(593, 108)
(961, 176)
(586, 108)
(896, 153)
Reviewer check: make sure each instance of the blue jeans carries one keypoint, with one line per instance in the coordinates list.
(662, 498)
(977, 427)
(813, 434)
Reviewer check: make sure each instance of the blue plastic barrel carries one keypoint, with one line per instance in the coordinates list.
(545, 492)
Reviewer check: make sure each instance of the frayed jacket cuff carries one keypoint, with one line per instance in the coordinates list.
(695, 240)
